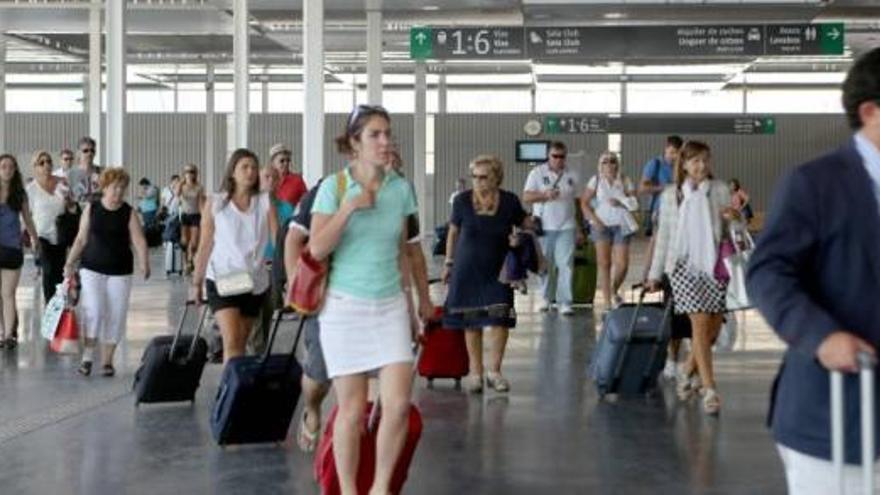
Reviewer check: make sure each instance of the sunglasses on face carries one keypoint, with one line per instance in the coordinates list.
(609, 161)
(479, 177)
(44, 162)
(67, 158)
(361, 110)
(558, 156)
(87, 150)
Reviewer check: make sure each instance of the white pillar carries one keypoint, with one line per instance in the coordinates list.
(441, 95)
(420, 128)
(623, 96)
(745, 95)
(374, 52)
(533, 96)
(116, 84)
(241, 76)
(265, 94)
(210, 161)
(94, 80)
(3, 94)
(313, 91)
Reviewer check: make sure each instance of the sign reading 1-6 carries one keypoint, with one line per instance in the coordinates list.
(464, 43)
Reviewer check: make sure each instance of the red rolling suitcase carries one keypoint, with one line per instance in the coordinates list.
(444, 353)
(325, 464)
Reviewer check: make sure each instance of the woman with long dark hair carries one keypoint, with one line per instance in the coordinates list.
(13, 210)
(236, 225)
(694, 217)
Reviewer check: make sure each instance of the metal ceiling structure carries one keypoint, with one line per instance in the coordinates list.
(51, 36)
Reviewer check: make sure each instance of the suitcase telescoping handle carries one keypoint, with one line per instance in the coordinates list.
(177, 334)
(279, 316)
(867, 363)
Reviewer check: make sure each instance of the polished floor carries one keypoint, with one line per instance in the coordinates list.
(64, 434)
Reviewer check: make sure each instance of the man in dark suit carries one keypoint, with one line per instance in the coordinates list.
(815, 276)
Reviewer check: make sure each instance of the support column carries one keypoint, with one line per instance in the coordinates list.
(264, 93)
(623, 96)
(94, 80)
(374, 52)
(313, 91)
(210, 160)
(116, 84)
(441, 95)
(3, 94)
(745, 95)
(241, 77)
(420, 128)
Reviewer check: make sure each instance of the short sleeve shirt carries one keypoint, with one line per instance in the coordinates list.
(558, 214)
(290, 189)
(365, 262)
(659, 171)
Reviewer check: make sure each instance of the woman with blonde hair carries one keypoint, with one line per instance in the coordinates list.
(612, 224)
(480, 227)
(107, 231)
(694, 217)
(48, 196)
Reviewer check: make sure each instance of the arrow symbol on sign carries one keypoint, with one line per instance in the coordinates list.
(421, 38)
(834, 34)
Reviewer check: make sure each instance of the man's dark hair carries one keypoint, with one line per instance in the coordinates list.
(862, 84)
(87, 141)
(175, 177)
(558, 145)
(675, 141)
(66, 151)
(144, 181)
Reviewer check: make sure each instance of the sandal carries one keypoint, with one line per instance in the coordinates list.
(684, 386)
(711, 402)
(305, 438)
(85, 369)
(12, 342)
(498, 382)
(473, 384)
(108, 370)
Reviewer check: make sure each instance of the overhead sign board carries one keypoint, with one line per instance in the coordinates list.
(597, 124)
(467, 43)
(624, 42)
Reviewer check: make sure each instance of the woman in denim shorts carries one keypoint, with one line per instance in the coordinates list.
(607, 203)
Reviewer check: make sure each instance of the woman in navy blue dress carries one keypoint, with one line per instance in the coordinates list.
(476, 245)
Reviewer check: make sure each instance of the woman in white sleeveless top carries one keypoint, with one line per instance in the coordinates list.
(236, 228)
(611, 223)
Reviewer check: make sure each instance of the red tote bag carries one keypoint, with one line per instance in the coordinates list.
(66, 340)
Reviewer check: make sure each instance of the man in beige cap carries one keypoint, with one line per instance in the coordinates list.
(291, 187)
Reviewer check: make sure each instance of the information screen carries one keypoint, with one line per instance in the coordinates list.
(532, 151)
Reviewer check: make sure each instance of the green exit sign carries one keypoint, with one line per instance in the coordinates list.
(831, 38)
(421, 41)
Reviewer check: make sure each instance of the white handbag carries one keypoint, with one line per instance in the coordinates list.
(240, 282)
(629, 225)
(53, 311)
(737, 296)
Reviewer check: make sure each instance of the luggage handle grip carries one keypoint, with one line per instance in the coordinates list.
(275, 325)
(867, 363)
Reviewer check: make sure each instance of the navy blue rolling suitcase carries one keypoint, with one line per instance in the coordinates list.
(258, 394)
(171, 366)
(631, 351)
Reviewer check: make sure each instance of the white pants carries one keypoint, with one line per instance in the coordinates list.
(103, 305)
(808, 475)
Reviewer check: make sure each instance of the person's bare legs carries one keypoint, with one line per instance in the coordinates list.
(9, 285)
(351, 397)
(313, 393)
(603, 270)
(473, 338)
(395, 387)
(620, 262)
(235, 329)
(497, 345)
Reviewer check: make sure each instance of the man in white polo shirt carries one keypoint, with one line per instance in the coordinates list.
(551, 189)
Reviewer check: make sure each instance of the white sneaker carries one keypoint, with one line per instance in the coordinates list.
(544, 306)
(566, 310)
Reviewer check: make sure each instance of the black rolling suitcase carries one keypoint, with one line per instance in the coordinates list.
(631, 351)
(258, 394)
(172, 365)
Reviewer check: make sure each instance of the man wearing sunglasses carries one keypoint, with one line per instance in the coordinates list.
(83, 179)
(66, 164)
(551, 189)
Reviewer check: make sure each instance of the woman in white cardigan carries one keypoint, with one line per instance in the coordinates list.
(694, 216)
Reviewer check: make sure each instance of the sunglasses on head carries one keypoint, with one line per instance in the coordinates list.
(362, 110)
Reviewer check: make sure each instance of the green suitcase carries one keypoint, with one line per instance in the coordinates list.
(583, 277)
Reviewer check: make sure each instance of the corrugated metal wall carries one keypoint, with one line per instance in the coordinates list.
(459, 138)
(757, 161)
(268, 129)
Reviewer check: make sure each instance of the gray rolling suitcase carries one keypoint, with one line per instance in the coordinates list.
(173, 259)
(866, 384)
(631, 351)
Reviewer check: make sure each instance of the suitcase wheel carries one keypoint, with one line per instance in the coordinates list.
(430, 383)
(458, 384)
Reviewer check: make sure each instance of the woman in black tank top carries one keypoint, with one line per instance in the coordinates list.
(107, 232)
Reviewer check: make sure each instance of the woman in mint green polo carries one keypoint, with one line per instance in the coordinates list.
(359, 218)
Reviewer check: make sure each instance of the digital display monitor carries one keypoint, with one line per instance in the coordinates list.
(531, 151)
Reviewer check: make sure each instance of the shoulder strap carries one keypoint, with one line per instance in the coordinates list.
(341, 186)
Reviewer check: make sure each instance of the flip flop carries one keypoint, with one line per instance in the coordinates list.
(305, 439)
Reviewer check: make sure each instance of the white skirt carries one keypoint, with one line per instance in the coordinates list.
(361, 335)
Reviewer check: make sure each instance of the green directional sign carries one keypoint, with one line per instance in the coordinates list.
(831, 38)
(421, 40)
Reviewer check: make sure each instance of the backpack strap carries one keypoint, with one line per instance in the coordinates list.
(341, 186)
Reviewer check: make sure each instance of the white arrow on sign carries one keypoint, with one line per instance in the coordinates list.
(834, 34)
(421, 38)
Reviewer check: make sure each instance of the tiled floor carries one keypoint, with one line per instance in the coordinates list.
(62, 434)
